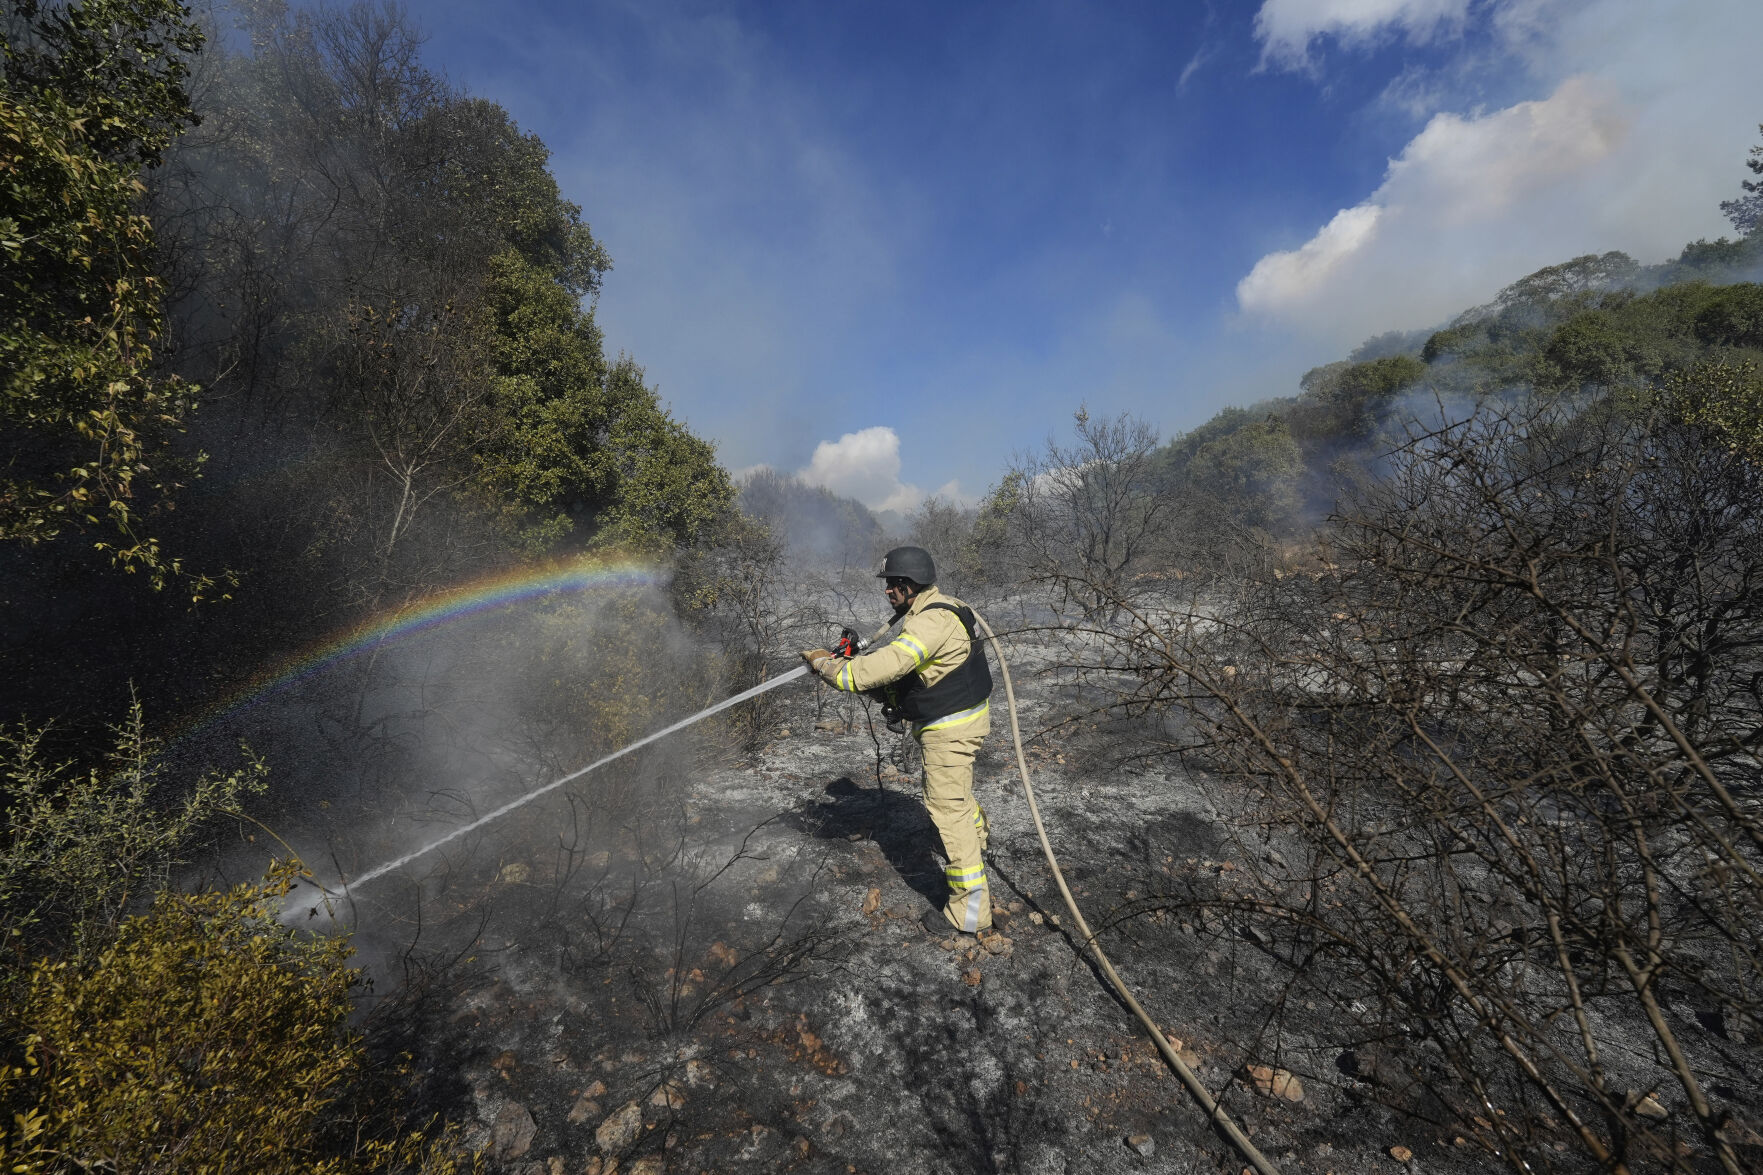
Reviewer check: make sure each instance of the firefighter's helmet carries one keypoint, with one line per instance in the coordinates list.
(913, 563)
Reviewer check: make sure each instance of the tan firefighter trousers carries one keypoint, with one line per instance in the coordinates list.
(948, 794)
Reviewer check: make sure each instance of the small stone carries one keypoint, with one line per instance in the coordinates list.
(616, 1134)
(554, 1165)
(1143, 1143)
(649, 1165)
(1650, 1107)
(515, 874)
(1274, 1082)
(828, 724)
(1036, 917)
(668, 1096)
(585, 1107)
(872, 900)
(1401, 1154)
(784, 733)
(997, 944)
(971, 977)
(700, 1075)
(592, 1166)
(513, 1132)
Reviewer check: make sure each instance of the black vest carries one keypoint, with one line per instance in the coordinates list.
(962, 688)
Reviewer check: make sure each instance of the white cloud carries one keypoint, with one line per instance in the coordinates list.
(1286, 28)
(1636, 141)
(1282, 280)
(864, 465)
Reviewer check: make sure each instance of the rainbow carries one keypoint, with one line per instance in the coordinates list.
(432, 612)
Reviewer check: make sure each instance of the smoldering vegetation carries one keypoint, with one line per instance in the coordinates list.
(1400, 735)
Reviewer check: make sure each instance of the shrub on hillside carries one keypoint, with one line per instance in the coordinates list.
(204, 1037)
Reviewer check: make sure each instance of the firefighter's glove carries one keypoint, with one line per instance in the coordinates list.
(816, 658)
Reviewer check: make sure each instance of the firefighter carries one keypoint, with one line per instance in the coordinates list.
(933, 675)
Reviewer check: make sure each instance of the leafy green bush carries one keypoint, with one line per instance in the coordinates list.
(79, 847)
(205, 1037)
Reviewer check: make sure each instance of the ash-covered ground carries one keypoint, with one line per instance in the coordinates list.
(733, 976)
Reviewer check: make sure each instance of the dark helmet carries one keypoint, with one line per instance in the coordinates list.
(913, 563)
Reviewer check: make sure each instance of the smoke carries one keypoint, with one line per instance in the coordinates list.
(1633, 134)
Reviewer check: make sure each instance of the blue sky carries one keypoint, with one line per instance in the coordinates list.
(890, 245)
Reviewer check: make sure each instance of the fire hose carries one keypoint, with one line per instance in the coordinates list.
(851, 645)
(1215, 1113)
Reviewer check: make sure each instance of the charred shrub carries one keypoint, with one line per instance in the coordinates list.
(1510, 706)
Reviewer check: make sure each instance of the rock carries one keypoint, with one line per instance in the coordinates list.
(554, 1165)
(872, 900)
(997, 944)
(512, 1135)
(620, 1130)
(971, 977)
(598, 1089)
(1000, 919)
(668, 1096)
(585, 1107)
(1650, 1107)
(1274, 1082)
(1401, 1154)
(648, 1165)
(1035, 917)
(1143, 1143)
(593, 1166)
(830, 725)
(515, 874)
(700, 1075)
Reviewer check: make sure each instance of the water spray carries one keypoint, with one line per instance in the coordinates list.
(495, 814)
(850, 645)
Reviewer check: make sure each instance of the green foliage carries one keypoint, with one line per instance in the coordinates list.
(1732, 317)
(205, 1037)
(81, 846)
(668, 488)
(1343, 402)
(1746, 212)
(1637, 340)
(1717, 260)
(92, 92)
(1253, 475)
(1724, 398)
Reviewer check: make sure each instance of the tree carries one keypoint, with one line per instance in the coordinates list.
(1585, 274)
(946, 530)
(1746, 212)
(93, 92)
(1090, 515)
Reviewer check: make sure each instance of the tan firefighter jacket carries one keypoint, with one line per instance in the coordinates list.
(931, 644)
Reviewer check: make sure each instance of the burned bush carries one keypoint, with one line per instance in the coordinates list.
(1510, 707)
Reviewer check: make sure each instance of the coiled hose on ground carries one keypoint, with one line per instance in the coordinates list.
(1214, 1112)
